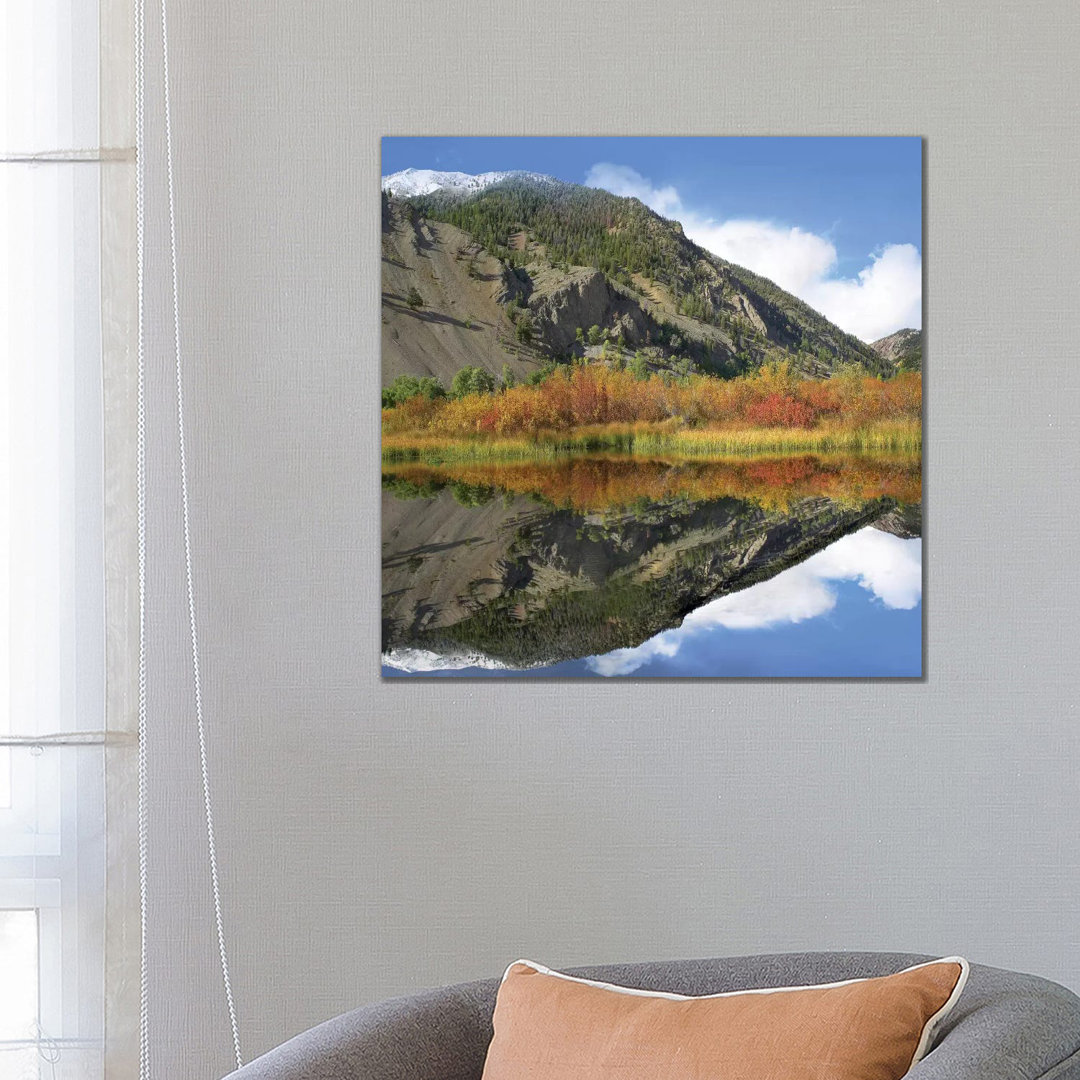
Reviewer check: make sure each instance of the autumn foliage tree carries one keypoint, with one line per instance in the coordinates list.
(571, 396)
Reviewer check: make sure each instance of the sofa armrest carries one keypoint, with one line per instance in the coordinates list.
(441, 1034)
(1007, 1026)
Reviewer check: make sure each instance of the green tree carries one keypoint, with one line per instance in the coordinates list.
(471, 494)
(471, 380)
(524, 329)
(405, 387)
(911, 360)
(541, 374)
(508, 380)
(637, 366)
(683, 367)
(414, 299)
(595, 335)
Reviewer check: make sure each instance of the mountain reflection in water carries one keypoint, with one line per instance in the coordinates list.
(617, 566)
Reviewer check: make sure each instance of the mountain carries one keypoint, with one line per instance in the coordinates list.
(903, 349)
(515, 269)
(548, 583)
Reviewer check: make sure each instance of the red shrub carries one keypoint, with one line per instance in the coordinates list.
(779, 410)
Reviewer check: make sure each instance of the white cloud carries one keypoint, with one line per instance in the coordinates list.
(791, 597)
(793, 258)
(885, 565)
(884, 296)
(625, 661)
(623, 180)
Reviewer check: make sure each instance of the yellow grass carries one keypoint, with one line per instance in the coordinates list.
(891, 437)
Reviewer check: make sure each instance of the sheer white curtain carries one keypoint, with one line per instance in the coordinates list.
(52, 556)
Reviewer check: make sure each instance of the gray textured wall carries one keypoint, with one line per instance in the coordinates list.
(378, 838)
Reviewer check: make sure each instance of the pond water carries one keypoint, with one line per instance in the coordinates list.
(604, 567)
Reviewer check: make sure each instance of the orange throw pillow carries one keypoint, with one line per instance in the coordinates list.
(550, 1026)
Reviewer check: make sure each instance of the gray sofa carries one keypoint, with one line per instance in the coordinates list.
(1005, 1026)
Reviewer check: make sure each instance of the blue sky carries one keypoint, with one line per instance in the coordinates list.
(837, 221)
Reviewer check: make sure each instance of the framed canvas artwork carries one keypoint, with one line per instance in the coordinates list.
(651, 407)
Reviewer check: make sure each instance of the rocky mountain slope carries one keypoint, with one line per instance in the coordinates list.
(518, 269)
(903, 349)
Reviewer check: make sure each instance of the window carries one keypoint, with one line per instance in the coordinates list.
(19, 961)
(52, 852)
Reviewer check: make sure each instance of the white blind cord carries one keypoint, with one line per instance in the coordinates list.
(182, 448)
(140, 213)
(140, 455)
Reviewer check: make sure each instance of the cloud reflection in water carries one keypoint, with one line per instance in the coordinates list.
(885, 565)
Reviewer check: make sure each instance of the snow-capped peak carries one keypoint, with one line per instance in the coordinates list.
(411, 182)
(419, 660)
